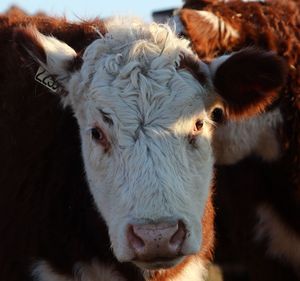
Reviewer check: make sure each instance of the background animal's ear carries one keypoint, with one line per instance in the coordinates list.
(56, 57)
(209, 33)
(248, 81)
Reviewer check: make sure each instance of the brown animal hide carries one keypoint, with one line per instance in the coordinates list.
(216, 28)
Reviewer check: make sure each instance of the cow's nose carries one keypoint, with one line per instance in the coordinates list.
(156, 241)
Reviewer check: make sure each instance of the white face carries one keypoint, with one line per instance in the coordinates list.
(147, 154)
(146, 162)
(145, 141)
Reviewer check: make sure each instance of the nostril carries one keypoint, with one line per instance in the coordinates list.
(149, 241)
(135, 241)
(179, 236)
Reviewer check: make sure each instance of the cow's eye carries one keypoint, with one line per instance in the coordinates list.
(198, 125)
(196, 130)
(98, 136)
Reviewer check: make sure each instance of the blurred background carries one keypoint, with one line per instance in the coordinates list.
(75, 10)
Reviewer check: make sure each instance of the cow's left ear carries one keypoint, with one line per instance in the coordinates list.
(248, 81)
(55, 56)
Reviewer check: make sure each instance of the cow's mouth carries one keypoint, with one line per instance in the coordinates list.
(158, 263)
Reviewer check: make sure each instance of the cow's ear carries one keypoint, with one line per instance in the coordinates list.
(248, 81)
(55, 56)
(209, 33)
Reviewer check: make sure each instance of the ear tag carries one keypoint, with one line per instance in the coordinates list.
(46, 79)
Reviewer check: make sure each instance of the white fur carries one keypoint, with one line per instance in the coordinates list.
(57, 54)
(236, 140)
(194, 270)
(283, 242)
(95, 271)
(42, 271)
(151, 171)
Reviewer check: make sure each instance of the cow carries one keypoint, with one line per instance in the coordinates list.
(257, 178)
(109, 177)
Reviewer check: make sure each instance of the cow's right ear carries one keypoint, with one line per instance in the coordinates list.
(55, 56)
(248, 81)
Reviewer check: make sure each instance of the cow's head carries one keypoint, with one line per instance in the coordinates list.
(143, 102)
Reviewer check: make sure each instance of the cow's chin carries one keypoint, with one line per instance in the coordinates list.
(158, 264)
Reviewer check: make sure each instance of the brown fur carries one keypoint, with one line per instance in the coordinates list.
(26, 38)
(46, 211)
(274, 26)
(249, 81)
(205, 42)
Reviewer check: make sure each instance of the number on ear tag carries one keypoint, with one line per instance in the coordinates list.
(46, 79)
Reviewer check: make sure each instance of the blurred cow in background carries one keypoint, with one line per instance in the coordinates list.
(258, 159)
